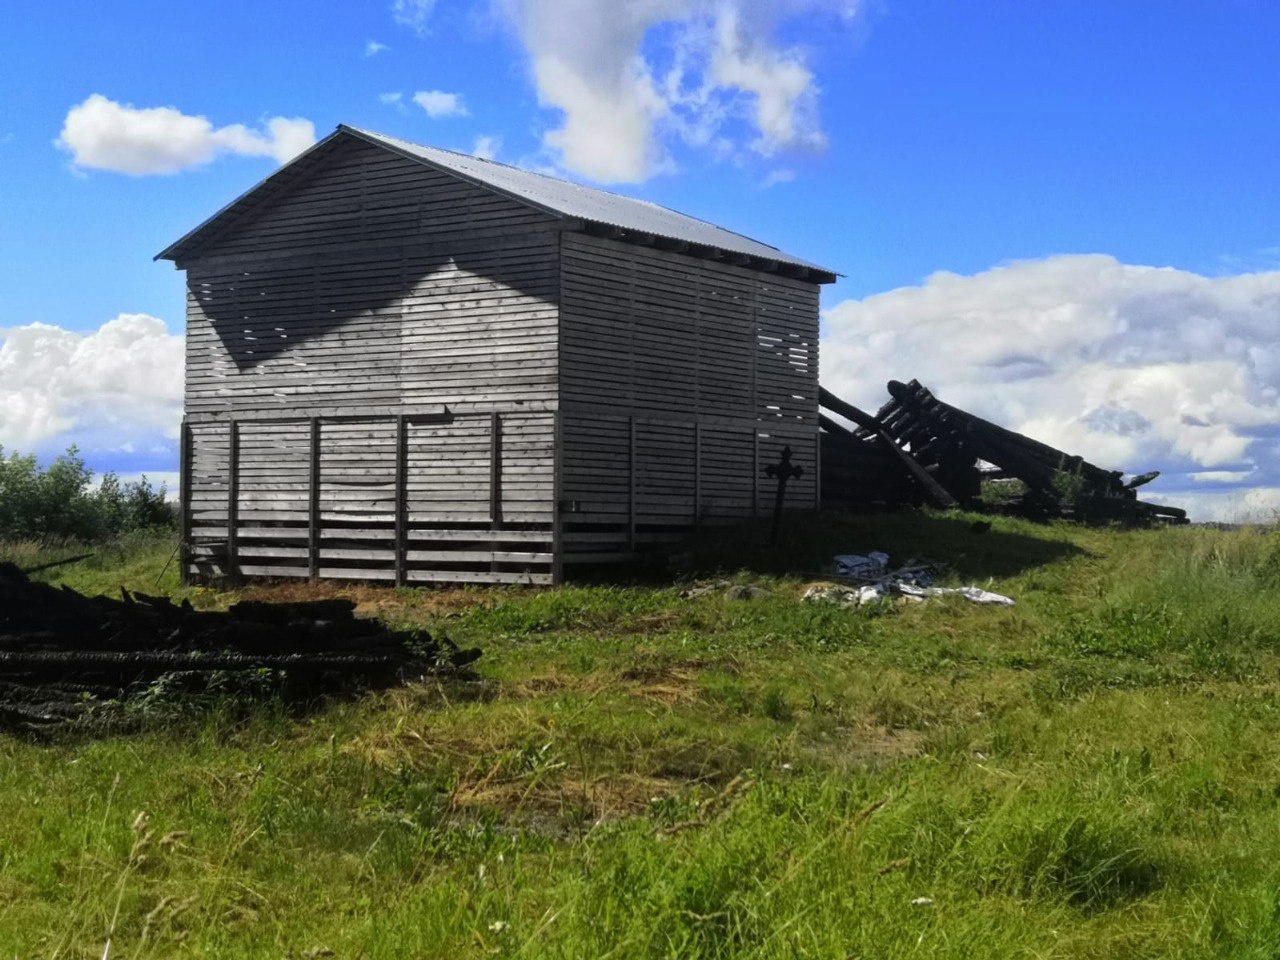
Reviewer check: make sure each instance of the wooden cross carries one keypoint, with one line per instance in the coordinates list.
(784, 471)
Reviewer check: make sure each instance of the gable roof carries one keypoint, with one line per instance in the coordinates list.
(626, 217)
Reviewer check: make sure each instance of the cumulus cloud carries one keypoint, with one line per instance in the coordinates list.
(102, 134)
(439, 104)
(373, 48)
(116, 388)
(1133, 367)
(629, 77)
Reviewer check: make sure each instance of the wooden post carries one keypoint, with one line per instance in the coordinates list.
(557, 492)
(313, 504)
(233, 501)
(402, 497)
(495, 471)
(817, 469)
(755, 471)
(631, 483)
(184, 504)
(697, 474)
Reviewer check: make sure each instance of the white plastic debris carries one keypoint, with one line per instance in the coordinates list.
(913, 582)
(972, 594)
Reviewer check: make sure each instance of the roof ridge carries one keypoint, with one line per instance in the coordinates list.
(471, 157)
(620, 215)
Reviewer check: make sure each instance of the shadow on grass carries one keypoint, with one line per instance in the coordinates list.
(973, 547)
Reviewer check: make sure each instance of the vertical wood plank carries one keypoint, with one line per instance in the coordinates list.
(631, 482)
(755, 471)
(697, 474)
(313, 504)
(557, 492)
(184, 504)
(817, 469)
(495, 470)
(402, 496)
(233, 500)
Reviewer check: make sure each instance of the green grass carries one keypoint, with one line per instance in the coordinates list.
(1094, 772)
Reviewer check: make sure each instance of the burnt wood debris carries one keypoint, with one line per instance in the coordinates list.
(917, 450)
(62, 654)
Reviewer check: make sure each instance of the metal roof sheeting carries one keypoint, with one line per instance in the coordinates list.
(588, 203)
(555, 196)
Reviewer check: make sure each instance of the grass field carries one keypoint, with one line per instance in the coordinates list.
(1094, 772)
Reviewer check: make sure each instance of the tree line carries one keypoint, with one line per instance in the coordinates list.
(60, 502)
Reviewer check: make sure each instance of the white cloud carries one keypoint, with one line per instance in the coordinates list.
(105, 135)
(373, 48)
(775, 177)
(414, 14)
(439, 104)
(117, 386)
(486, 148)
(1132, 367)
(629, 76)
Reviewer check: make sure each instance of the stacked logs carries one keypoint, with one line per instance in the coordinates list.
(932, 453)
(61, 652)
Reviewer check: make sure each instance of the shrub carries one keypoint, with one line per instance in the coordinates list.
(58, 502)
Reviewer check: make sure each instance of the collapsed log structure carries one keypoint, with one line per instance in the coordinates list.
(62, 653)
(918, 450)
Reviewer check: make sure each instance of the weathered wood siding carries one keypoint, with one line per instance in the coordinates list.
(681, 380)
(376, 288)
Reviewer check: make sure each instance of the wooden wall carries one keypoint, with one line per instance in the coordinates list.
(376, 288)
(385, 364)
(681, 379)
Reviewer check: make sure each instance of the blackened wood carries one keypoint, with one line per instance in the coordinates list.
(934, 491)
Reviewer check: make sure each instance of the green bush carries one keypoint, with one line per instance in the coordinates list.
(59, 503)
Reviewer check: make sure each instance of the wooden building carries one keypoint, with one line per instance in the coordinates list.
(412, 365)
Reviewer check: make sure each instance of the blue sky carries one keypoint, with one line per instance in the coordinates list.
(1042, 153)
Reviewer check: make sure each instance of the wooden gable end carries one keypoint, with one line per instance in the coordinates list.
(358, 194)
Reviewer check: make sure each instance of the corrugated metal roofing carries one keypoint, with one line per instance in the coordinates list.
(551, 194)
(588, 203)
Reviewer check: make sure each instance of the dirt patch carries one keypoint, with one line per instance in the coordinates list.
(370, 599)
(667, 682)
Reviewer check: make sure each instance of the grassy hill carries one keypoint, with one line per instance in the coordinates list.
(1094, 772)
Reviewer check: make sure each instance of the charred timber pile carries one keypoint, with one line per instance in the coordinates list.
(931, 452)
(62, 652)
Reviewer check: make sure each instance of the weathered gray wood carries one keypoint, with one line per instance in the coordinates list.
(495, 469)
(233, 495)
(184, 503)
(397, 345)
(313, 501)
(697, 475)
(631, 482)
(402, 500)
